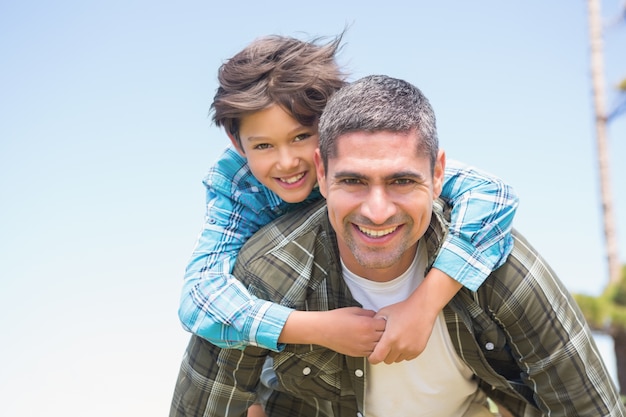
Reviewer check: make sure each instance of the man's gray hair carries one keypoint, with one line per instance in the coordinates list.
(378, 103)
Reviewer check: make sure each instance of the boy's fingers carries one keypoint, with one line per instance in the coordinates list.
(380, 324)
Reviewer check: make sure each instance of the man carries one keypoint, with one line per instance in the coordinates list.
(519, 339)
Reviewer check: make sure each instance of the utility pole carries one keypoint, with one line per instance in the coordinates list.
(601, 121)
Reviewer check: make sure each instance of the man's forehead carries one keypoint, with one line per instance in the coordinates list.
(370, 151)
(372, 139)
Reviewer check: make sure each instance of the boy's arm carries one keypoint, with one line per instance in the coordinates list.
(479, 241)
(216, 306)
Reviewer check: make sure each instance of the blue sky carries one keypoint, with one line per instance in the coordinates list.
(105, 137)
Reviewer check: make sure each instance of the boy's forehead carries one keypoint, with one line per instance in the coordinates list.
(273, 118)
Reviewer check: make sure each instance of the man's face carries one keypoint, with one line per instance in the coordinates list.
(280, 152)
(379, 193)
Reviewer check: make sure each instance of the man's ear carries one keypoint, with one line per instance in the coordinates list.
(438, 173)
(320, 171)
(236, 144)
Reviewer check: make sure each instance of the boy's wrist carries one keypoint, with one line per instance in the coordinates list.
(437, 289)
(301, 328)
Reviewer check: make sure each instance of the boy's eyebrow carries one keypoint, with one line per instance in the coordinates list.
(255, 138)
(297, 131)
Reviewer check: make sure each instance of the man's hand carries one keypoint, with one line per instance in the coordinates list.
(410, 322)
(405, 336)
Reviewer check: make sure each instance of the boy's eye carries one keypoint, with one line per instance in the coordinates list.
(301, 137)
(261, 146)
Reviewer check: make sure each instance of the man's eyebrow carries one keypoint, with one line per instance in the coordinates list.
(349, 174)
(396, 175)
(407, 174)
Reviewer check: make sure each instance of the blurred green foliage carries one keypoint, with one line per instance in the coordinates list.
(606, 312)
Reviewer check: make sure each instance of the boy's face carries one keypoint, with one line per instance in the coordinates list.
(280, 152)
(379, 193)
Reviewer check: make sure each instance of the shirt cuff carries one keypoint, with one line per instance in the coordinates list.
(266, 330)
(463, 262)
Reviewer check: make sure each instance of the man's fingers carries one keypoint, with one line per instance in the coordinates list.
(380, 352)
(393, 357)
(380, 324)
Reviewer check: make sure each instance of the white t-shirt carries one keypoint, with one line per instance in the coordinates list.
(437, 382)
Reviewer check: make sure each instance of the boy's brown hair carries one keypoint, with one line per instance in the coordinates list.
(299, 76)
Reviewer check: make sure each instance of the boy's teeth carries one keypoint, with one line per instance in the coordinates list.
(377, 233)
(291, 180)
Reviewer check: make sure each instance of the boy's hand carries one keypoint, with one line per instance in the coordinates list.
(352, 331)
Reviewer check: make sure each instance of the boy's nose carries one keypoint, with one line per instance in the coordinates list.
(288, 160)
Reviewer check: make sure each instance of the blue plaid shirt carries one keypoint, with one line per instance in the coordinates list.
(217, 307)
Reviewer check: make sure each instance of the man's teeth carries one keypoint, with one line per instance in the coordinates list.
(377, 233)
(293, 179)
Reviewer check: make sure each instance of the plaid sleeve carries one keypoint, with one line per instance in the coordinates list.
(550, 339)
(479, 238)
(214, 304)
(215, 382)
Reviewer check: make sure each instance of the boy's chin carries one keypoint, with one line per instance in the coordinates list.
(294, 196)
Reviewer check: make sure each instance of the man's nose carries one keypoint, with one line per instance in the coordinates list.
(378, 205)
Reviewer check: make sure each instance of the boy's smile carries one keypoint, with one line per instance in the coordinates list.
(280, 152)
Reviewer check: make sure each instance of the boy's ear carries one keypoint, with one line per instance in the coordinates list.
(235, 143)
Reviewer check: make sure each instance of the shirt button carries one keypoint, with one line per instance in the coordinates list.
(489, 346)
(358, 373)
(306, 371)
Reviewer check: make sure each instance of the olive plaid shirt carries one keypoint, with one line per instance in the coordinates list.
(521, 333)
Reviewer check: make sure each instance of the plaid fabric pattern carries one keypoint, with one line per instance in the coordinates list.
(215, 305)
(521, 334)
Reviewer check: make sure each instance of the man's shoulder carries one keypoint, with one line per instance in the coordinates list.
(524, 253)
(294, 248)
(525, 271)
(306, 223)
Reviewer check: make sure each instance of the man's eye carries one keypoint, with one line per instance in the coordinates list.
(350, 181)
(403, 181)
